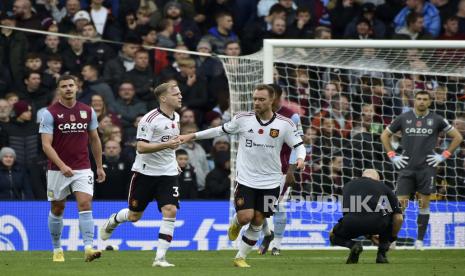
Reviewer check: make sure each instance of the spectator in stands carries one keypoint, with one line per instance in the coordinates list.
(303, 25)
(52, 72)
(365, 147)
(363, 30)
(414, 29)
(33, 92)
(192, 86)
(218, 182)
(253, 33)
(103, 20)
(367, 121)
(94, 85)
(223, 32)
(14, 179)
(13, 49)
(430, 15)
(446, 8)
(368, 12)
(100, 107)
(342, 14)
(278, 29)
(23, 134)
(33, 62)
(115, 68)
(12, 98)
(27, 18)
(187, 179)
(80, 19)
(127, 105)
(232, 49)
(451, 29)
(187, 117)
(312, 160)
(332, 177)
(189, 33)
(440, 104)
(118, 172)
(210, 67)
(461, 16)
(198, 157)
(5, 111)
(65, 16)
(74, 56)
(165, 30)
(142, 77)
(340, 111)
(329, 137)
(99, 51)
(218, 144)
(264, 7)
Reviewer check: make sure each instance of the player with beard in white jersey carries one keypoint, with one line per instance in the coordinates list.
(261, 134)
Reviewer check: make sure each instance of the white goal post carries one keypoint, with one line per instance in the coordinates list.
(389, 71)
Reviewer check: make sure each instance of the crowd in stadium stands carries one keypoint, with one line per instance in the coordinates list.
(343, 115)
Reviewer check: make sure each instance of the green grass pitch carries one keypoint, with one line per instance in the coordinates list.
(290, 263)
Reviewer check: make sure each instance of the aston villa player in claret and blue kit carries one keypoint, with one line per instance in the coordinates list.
(66, 128)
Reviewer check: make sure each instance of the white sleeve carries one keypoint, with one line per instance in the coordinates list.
(231, 127)
(209, 133)
(144, 131)
(292, 138)
(300, 152)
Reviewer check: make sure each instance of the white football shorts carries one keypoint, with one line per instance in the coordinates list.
(60, 186)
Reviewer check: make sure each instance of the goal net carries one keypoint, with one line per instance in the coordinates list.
(346, 93)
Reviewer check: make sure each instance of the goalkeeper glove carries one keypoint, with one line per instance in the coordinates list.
(399, 161)
(435, 159)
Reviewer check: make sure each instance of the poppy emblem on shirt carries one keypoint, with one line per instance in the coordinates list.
(274, 132)
(173, 125)
(418, 123)
(260, 131)
(83, 114)
(72, 118)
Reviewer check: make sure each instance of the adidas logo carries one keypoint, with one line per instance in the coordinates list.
(250, 131)
(166, 127)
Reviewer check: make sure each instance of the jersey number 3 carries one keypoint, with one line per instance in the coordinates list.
(176, 191)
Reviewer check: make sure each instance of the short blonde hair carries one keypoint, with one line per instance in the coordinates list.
(163, 88)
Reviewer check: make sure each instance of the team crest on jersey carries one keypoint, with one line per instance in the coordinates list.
(274, 132)
(429, 122)
(72, 118)
(83, 114)
(419, 124)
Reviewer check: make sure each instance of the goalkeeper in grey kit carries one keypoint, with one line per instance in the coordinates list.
(417, 163)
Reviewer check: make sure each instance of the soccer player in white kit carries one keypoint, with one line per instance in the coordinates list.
(262, 134)
(155, 170)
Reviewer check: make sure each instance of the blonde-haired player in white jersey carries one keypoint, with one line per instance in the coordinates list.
(262, 134)
(155, 170)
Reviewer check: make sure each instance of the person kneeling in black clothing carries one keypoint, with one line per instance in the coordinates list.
(369, 208)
